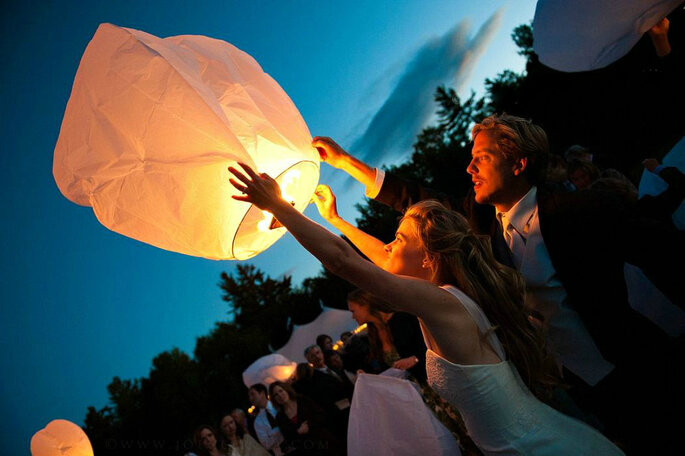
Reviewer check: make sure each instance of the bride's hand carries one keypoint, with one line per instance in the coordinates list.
(259, 189)
(325, 202)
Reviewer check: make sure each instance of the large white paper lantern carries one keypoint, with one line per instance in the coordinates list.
(269, 369)
(151, 127)
(331, 321)
(61, 438)
(383, 419)
(584, 35)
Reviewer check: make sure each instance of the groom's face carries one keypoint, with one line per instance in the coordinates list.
(492, 173)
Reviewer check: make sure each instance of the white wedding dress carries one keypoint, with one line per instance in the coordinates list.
(502, 416)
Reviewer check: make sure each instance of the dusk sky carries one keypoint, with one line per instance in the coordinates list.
(81, 304)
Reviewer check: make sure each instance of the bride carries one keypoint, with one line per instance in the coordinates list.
(483, 355)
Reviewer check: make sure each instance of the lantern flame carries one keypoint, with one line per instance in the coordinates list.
(287, 186)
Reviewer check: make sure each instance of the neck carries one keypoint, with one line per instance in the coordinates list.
(387, 316)
(375, 320)
(512, 197)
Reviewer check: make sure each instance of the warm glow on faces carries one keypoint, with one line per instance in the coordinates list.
(280, 396)
(360, 313)
(228, 426)
(405, 253)
(207, 439)
(492, 174)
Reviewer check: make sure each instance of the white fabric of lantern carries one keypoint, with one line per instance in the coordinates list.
(586, 35)
(383, 421)
(269, 369)
(330, 321)
(151, 127)
(61, 438)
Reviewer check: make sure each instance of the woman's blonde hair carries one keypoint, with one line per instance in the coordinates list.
(464, 259)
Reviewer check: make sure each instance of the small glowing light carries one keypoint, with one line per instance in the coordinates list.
(289, 178)
(339, 344)
(251, 409)
(265, 223)
(359, 329)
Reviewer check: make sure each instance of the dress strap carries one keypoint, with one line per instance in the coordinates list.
(478, 317)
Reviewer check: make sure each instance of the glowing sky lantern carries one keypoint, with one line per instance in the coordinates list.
(268, 369)
(151, 127)
(61, 438)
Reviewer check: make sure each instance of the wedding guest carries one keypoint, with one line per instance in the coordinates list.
(330, 390)
(240, 418)
(324, 341)
(237, 441)
(335, 363)
(344, 337)
(582, 174)
(264, 423)
(303, 422)
(394, 337)
(206, 443)
(315, 356)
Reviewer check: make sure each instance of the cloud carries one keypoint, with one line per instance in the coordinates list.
(447, 60)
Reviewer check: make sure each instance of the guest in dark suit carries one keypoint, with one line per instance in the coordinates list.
(330, 391)
(335, 362)
(303, 423)
(570, 248)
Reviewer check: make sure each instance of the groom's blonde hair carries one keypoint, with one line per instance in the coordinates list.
(517, 138)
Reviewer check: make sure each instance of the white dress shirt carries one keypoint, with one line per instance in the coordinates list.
(269, 437)
(374, 189)
(545, 294)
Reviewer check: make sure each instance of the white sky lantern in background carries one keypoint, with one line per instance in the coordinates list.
(585, 35)
(61, 438)
(330, 321)
(151, 127)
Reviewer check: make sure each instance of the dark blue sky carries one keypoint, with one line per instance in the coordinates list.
(81, 304)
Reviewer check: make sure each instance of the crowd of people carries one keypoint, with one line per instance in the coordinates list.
(524, 327)
(307, 414)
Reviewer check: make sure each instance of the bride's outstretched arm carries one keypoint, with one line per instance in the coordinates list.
(373, 248)
(402, 293)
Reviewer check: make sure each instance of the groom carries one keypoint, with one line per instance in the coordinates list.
(570, 249)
